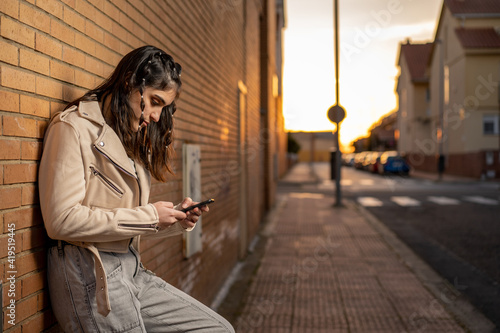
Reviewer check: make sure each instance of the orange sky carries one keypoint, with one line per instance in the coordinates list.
(370, 33)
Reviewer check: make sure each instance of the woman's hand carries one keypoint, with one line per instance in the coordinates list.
(167, 214)
(193, 215)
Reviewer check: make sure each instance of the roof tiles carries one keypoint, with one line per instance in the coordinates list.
(475, 38)
(487, 7)
(417, 57)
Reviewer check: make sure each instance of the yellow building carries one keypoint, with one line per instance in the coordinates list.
(413, 123)
(449, 108)
(314, 146)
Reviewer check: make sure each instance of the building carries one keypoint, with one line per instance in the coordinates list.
(229, 114)
(314, 146)
(449, 109)
(413, 116)
(361, 144)
(383, 133)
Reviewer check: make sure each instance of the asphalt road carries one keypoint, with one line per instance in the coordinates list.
(454, 226)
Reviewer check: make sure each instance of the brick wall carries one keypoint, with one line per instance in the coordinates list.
(476, 165)
(421, 162)
(254, 134)
(470, 165)
(52, 51)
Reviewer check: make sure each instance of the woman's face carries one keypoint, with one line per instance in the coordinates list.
(154, 101)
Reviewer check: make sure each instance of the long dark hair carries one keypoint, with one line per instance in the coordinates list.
(147, 66)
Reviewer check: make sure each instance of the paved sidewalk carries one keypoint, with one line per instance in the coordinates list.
(322, 269)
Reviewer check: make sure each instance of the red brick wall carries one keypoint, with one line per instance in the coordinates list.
(471, 165)
(421, 162)
(255, 145)
(52, 51)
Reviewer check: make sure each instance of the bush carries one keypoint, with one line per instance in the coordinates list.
(293, 145)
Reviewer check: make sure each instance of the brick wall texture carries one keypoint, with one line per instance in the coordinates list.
(53, 51)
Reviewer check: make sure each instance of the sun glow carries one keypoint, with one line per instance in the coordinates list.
(367, 62)
(309, 88)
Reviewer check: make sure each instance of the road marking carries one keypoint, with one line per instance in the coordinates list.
(444, 200)
(481, 200)
(346, 182)
(405, 201)
(369, 202)
(367, 182)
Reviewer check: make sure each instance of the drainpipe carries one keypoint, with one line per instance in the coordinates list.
(440, 164)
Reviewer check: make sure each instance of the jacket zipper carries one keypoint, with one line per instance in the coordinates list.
(123, 170)
(129, 225)
(95, 172)
(140, 226)
(113, 162)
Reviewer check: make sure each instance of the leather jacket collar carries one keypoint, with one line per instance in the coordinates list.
(107, 142)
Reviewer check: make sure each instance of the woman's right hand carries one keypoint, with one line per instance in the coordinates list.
(167, 214)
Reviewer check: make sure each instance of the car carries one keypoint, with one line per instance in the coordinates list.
(348, 159)
(393, 163)
(359, 159)
(385, 155)
(371, 160)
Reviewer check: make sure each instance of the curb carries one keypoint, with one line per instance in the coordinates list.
(231, 298)
(452, 300)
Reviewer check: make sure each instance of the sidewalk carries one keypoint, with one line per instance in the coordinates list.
(316, 268)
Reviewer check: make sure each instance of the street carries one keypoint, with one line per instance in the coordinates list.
(454, 226)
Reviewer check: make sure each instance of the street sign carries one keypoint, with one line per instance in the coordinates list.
(336, 113)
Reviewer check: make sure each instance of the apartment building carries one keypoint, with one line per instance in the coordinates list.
(448, 117)
(229, 118)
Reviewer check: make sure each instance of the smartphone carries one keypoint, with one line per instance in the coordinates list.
(203, 203)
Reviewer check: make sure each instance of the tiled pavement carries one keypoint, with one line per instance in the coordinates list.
(325, 269)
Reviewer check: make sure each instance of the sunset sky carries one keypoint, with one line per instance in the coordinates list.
(370, 33)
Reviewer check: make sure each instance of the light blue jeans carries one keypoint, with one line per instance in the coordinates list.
(140, 301)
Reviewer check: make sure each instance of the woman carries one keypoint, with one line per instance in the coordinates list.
(99, 155)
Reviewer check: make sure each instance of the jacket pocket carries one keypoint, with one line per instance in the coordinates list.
(106, 181)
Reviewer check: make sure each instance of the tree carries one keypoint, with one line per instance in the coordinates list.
(293, 145)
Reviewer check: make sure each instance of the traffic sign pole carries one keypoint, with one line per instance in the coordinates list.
(336, 42)
(337, 113)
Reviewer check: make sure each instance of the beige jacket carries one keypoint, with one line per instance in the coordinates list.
(90, 194)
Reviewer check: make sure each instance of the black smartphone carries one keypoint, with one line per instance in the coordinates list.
(203, 203)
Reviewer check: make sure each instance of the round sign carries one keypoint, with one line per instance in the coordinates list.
(336, 113)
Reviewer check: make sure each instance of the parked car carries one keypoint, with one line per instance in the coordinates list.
(348, 159)
(372, 161)
(359, 159)
(392, 162)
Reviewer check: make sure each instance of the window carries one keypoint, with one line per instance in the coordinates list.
(491, 125)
